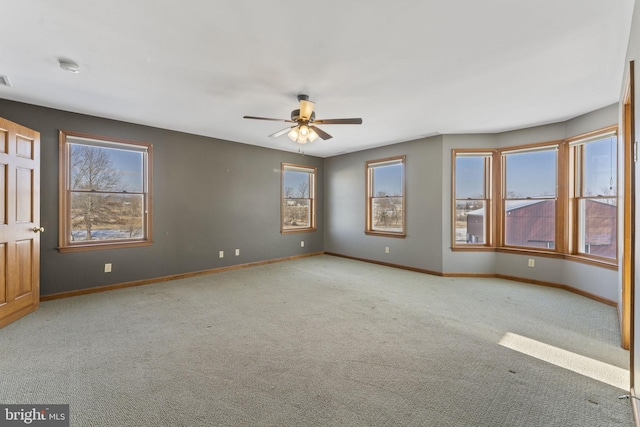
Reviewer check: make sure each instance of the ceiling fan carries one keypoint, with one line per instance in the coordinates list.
(305, 130)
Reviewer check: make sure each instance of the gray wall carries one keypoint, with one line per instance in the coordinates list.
(429, 186)
(208, 195)
(461, 262)
(345, 206)
(592, 279)
(212, 195)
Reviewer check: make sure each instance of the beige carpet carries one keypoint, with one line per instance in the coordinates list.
(322, 341)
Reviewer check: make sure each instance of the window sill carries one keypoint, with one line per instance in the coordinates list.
(385, 234)
(471, 248)
(298, 230)
(597, 262)
(102, 246)
(520, 251)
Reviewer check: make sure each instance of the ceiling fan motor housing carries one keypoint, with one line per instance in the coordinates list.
(295, 116)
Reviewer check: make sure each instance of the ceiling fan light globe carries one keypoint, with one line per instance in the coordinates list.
(302, 139)
(304, 131)
(293, 134)
(312, 135)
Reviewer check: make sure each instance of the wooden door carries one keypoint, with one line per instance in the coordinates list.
(628, 251)
(19, 221)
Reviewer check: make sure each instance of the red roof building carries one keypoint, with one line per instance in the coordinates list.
(532, 223)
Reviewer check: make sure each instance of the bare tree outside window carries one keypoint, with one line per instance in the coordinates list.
(297, 211)
(131, 218)
(287, 192)
(387, 211)
(92, 172)
(385, 197)
(106, 191)
(303, 190)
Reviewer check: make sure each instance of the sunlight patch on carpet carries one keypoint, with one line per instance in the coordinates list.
(601, 371)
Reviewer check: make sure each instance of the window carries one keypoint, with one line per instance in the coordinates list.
(472, 190)
(105, 192)
(298, 199)
(385, 197)
(560, 197)
(595, 195)
(529, 206)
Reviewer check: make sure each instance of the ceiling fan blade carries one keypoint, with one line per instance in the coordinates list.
(306, 108)
(322, 134)
(353, 121)
(267, 118)
(281, 132)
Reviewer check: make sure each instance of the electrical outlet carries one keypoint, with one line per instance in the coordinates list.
(237, 252)
(532, 262)
(107, 267)
(302, 243)
(221, 254)
(386, 249)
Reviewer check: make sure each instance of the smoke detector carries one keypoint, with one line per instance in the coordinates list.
(69, 66)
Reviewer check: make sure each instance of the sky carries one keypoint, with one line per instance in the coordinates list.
(129, 163)
(469, 177)
(388, 179)
(293, 179)
(601, 166)
(533, 174)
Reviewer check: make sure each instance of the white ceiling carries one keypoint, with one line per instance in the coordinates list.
(409, 68)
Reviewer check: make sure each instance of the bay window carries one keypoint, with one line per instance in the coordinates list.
(557, 197)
